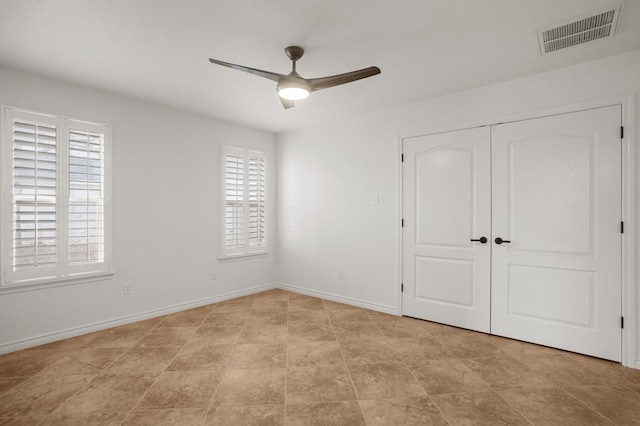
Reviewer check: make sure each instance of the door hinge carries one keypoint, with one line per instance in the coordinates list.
(621, 132)
(622, 227)
(621, 322)
(402, 223)
(401, 288)
(402, 158)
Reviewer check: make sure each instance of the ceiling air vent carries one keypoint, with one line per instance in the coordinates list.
(582, 29)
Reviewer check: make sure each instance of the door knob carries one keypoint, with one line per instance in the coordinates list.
(483, 240)
(500, 241)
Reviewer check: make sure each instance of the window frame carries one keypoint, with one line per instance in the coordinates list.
(248, 251)
(63, 272)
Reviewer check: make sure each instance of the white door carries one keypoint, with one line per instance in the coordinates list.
(556, 280)
(446, 204)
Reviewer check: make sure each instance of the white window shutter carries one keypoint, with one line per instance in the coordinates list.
(244, 202)
(256, 201)
(234, 202)
(86, 173)
(55, 187)
(34, 183)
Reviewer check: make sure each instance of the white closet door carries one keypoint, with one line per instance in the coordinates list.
(557, 200)
(446, 203)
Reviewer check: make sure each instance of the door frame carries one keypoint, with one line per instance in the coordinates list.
(630, 290)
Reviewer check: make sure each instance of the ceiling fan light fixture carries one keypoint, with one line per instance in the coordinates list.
(293, 93)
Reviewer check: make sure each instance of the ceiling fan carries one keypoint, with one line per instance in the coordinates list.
(293, 87)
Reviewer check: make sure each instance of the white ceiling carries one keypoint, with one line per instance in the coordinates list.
(158, 50)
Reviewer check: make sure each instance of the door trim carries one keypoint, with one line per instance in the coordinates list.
(630, 291)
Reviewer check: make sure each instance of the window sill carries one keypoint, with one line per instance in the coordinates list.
(236, 257)
(45, 283)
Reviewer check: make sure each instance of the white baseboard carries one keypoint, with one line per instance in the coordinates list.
(103, 325)
(393, 310)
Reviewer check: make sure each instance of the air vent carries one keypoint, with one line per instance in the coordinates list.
(582, 29)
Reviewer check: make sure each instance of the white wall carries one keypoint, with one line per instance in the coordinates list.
(327, 176)
(166, 215)
(166, 210)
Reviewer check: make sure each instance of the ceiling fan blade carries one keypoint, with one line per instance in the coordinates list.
(336, 80)
(286, 103)
(261, 73)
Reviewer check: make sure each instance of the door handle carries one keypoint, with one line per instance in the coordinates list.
(483, 240)
(500, 241)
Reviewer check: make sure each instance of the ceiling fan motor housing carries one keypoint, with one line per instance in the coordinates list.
(294, 52)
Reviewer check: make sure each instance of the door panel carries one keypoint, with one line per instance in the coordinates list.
(443, 176)
(454, 276)
(530, 288)
(446, 179)
(551, 193)
(557, 199)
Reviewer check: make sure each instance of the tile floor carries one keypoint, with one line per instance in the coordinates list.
(283, 358)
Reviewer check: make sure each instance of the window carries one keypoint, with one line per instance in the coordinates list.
(56, 187)
(244, 202)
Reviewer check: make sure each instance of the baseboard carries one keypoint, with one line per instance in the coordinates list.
(116, 322)
(103, 325)
(347, 300)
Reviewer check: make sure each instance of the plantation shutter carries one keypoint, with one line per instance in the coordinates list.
(86, 197)
(256, 201)
(54, 210)
(244, 202)
(234, 202)
(34, 182)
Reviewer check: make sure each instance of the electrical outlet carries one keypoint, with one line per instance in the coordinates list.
(214, 275)
(127, 289)
(340, 274)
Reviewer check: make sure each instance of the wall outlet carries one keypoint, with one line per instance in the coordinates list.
(214, 275)
(127, 289)
(340, 274)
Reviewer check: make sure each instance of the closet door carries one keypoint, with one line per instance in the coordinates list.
(446, 205)
(556, 279)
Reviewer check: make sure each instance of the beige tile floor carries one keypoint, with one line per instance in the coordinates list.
(283, 358)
